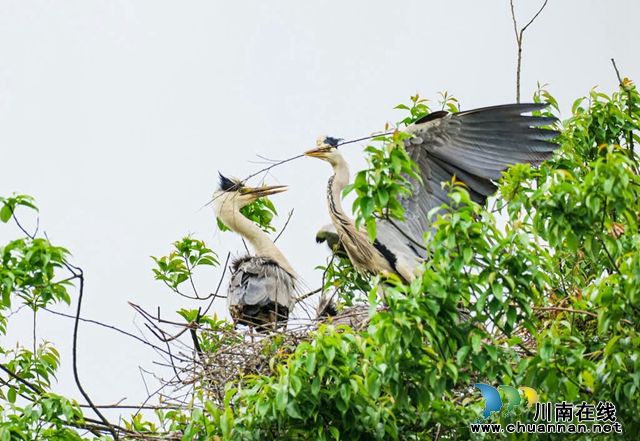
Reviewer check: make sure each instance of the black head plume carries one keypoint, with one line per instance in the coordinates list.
(333, 142)
(227, 184)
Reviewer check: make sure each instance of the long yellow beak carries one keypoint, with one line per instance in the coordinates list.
(267, 190)
(317, 152)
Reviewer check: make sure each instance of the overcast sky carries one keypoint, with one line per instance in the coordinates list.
(116, 116)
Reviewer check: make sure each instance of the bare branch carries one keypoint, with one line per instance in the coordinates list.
(113, 328)
(284, 161)
(574, 311)
(293, 158)
(30, 236)
(17, 377)
(533, 19)
(513, 17)
(215, 295)
(284, 227)
(632, 155)
(519, 35)
(309, 294)
(80, 275)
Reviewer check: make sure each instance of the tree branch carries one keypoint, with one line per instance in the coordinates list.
(284, 227)
(215, 295)
(573, 311)
(18, 378)
(293, 158)
(79, 274)
(519, 35)
(632, 156)
(113, 328)
(309, 294)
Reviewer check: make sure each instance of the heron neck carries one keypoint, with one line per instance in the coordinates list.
(259, 240)
(337, 183)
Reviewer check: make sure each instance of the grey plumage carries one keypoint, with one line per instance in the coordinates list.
(263, 287)
(475, 146)
(329, 234)
(261, 293)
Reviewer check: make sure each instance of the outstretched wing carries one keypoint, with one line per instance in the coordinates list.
(475, 146)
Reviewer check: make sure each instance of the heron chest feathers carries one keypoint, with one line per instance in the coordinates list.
(363, 254)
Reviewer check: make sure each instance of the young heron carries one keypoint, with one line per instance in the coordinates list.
(476, 146)
(263, 287)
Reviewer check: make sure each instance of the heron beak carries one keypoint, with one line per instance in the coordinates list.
(267, 190)
(316, 153)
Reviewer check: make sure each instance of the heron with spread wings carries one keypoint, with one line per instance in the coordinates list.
(476, 146)
(263, 287)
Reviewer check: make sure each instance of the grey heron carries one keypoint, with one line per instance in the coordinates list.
(263, 287)
(475, 146)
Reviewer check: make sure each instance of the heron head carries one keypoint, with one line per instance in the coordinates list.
(326, 149)
(238, 195)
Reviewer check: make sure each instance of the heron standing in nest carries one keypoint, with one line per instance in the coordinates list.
(262, 291)
(476, 146)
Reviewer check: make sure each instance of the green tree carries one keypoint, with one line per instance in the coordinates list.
(554, 297)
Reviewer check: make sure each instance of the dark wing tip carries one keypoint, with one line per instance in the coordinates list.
(431, 116)
(227, 184)
(333, 142)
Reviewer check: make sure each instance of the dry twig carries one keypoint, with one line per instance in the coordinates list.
(519, 35)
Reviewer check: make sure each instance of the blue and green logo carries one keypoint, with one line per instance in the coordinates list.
(493, 400)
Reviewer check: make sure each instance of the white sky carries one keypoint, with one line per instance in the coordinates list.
(116, 116)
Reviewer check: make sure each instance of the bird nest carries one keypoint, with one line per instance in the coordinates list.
(226, 354)
(233, 353)
(248, 354)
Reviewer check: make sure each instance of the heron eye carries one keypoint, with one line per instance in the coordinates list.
(243, 190)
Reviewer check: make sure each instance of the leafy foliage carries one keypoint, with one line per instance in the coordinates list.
(390, 170)
(178, 267)
(9, 206)
(29, 274)
(553, 298)
(379, 186)
(340, 277)
(556, 288)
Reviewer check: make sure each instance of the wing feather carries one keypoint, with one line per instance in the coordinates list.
(476, 146)
(260, 291)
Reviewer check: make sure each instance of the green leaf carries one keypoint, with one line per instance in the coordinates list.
(611, 345)
(383, 196)
(546, 350)
(293, 411)
(476, 340)
(366, 206)
(282, 399)
(467, 254)
(310, 365)
(373, 384)
(372, 228)
(572, 241)
(315, 386)
(462, 354)
(5, 213)
(11, 395)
